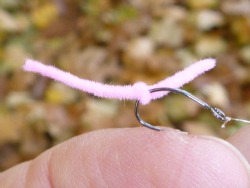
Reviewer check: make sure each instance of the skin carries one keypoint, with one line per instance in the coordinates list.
(138, 157)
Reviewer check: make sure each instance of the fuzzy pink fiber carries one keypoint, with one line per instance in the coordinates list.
(138, 91)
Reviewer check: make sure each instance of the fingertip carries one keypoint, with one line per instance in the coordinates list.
(207, 161)
(222, 163)
(241, 140)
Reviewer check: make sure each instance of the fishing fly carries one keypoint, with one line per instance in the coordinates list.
(140, 91)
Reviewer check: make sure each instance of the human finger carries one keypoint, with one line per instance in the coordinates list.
(136, 157)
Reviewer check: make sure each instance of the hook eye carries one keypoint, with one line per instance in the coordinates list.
(219, 114)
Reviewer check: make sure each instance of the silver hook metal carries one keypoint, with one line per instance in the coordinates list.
(219, 114)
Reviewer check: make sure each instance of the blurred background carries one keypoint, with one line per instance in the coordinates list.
(117, 42)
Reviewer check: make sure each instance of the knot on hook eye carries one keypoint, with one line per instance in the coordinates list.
(219, 114)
